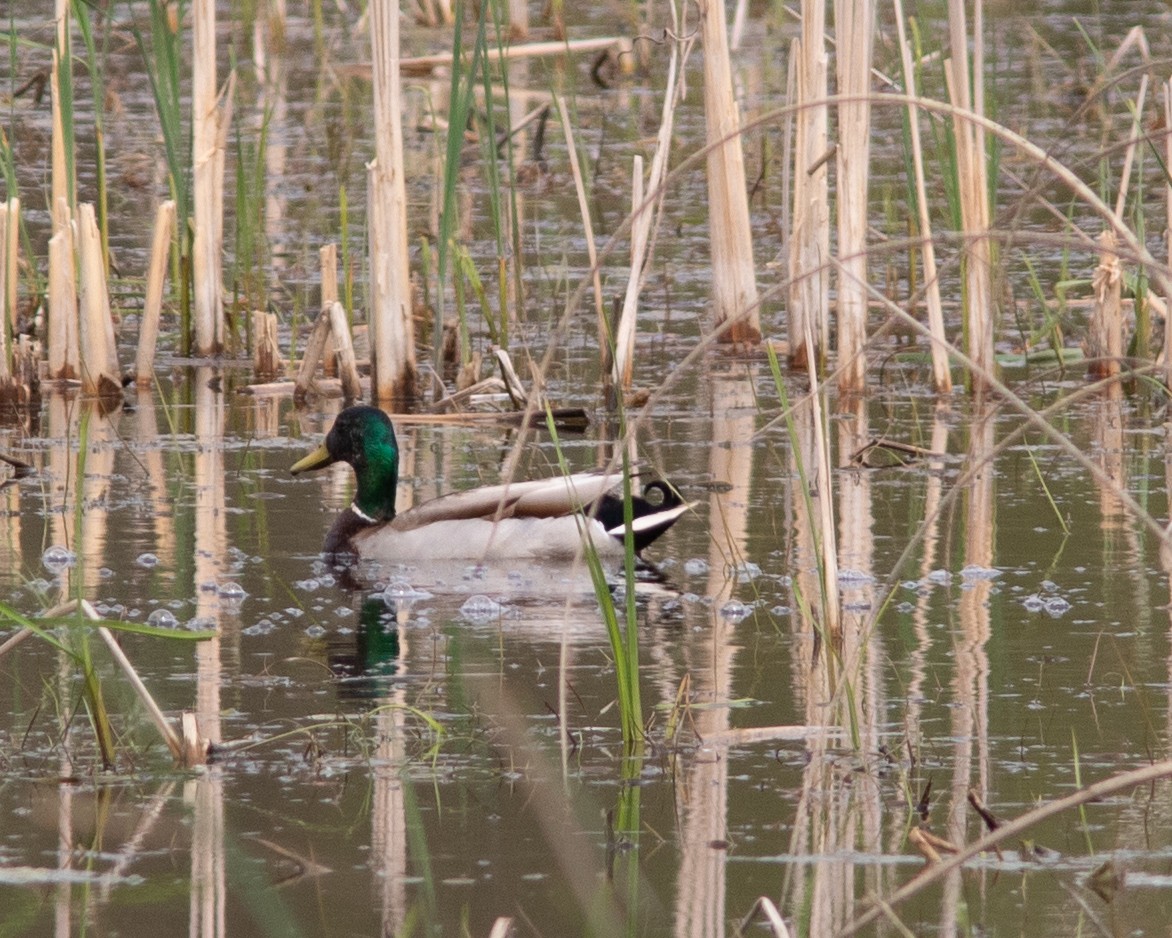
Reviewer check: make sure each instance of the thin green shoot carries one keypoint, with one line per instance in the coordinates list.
(624, 642)
(1082, 808)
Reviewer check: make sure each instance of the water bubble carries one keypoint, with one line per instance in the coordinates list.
(745, 571)
(163, 619)
(854, 577)
(308, 585)
(974, 571)
(1033, 603)
(315, 631)
(697, 566)
(260, 627)
(105, 573)
(231, 592)
(201, 624)
(735, 611)
(939, 577)
(780, 611)
(1056, 607)
(401, 594)
(58, 558)
(147, 561)
(343, 612)
(481, 609)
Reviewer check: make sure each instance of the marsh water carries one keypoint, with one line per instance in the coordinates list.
(435, 748)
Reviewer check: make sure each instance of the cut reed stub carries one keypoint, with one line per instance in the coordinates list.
(148, 332)
(99, 358)
(267, 363)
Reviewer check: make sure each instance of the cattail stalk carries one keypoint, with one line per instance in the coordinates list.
(809, 292)
(392, 332)
(854, 28)
(734, 280)
(210, 124)
(972, 176)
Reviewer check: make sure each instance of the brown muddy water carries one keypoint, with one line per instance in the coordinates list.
(391, 759)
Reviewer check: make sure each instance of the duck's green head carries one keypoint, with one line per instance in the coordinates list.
(364, 438)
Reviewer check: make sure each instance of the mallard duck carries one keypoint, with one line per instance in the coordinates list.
(540, 519)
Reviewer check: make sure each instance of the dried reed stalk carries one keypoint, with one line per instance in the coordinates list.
(604, 337)
(1105, 328)
(854, 22)
(809, 290)
(148, 330)
(392, 331)
(421, 64)
(61, 180)
(64, 364)
(9, 252)
(1168, 232)
(518, 19)
(734, 279)
(210, 124)
(645, 224)
(941, 376)
(7, 324)
(343, 350)
(972, 179)
(328, 259)
(823, 485)
(99, 359)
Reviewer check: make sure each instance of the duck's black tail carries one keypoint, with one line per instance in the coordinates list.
(653, 512)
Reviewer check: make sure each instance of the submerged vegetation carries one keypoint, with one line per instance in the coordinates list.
(886, 289)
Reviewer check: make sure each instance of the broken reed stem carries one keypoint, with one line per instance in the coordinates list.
(1012, 830)
(314, 348)
(604, 336)
(152, 307)
(266, 353)
(1168, 232)
(152, 708)
(941, 375)
(854, 22)
(624, 339)
(809, 276)
(64, 364)
(392, 331)
(972, 180)
(421, 64)
(734, 278)
(99, 358)
(343, 348)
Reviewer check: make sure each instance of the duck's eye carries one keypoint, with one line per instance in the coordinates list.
(654, 494)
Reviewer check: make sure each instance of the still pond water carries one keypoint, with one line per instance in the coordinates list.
(441, 747)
